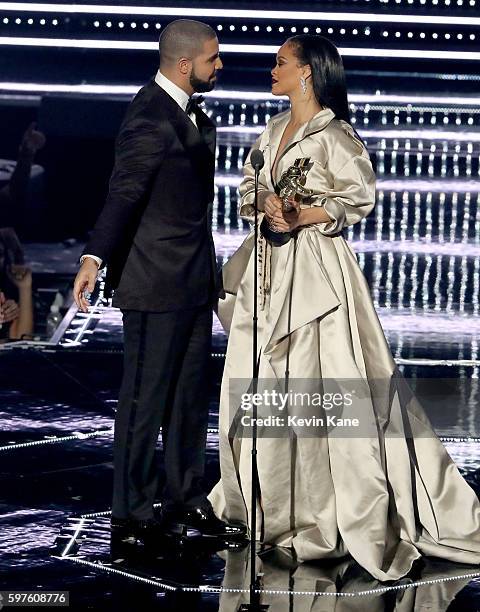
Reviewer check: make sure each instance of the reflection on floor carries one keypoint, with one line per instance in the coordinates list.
(284, 583)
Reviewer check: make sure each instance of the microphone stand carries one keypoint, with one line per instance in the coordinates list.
(254, 605)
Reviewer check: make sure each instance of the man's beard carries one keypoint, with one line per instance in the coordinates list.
(198, 85)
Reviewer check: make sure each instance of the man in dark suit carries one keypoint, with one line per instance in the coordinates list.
(154, 233)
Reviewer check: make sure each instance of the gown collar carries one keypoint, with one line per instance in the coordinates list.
(317, 123)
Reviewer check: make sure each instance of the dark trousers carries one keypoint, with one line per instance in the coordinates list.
(164, 385)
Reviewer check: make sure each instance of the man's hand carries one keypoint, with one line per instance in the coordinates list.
(85, 281)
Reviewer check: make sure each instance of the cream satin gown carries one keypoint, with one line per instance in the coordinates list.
(387, 498)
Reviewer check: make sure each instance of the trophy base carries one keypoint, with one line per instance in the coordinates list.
(275, 238)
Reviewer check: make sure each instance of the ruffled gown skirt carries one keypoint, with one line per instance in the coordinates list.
(385, 498)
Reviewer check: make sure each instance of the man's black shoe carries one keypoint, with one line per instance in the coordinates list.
(204, 521)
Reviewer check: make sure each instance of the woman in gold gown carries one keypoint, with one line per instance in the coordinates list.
(385, 498)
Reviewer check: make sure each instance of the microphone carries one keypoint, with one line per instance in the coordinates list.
(257, 160)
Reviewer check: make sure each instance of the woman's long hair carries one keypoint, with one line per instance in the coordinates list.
(328, 74)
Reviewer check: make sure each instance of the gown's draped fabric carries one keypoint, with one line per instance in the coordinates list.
(387, 498)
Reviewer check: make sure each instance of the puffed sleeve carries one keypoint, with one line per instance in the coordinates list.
(352, 195)
(246, 188)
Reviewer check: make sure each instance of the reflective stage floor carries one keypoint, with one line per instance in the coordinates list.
(55, 482)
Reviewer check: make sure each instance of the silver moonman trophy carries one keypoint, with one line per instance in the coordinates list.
(289, 186)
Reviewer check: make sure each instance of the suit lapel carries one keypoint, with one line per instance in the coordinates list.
(198, 142)
(207, 129)
(196, 149)
(190, 135)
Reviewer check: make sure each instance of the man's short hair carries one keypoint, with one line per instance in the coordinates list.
(183, 38)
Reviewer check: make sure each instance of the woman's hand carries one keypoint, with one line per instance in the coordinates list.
(9, 310)
(285, 221)
(21, 276)
(272, 204)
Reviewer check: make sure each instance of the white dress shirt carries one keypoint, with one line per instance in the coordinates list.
(181, 98)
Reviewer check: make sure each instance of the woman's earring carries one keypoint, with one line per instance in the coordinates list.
(303, 83)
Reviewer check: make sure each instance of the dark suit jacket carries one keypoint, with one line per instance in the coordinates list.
(154, 231)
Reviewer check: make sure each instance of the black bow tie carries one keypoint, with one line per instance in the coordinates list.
(193, 103)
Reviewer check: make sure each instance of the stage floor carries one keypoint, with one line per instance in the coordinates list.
(56, 475)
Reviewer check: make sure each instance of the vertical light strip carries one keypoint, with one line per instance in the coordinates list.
(438, 277)
(426, 284)
(414, 283)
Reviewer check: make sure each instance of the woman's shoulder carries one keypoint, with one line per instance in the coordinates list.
(340, 134)
(336, 144)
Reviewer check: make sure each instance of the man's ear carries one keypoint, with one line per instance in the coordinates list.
(184, 65)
